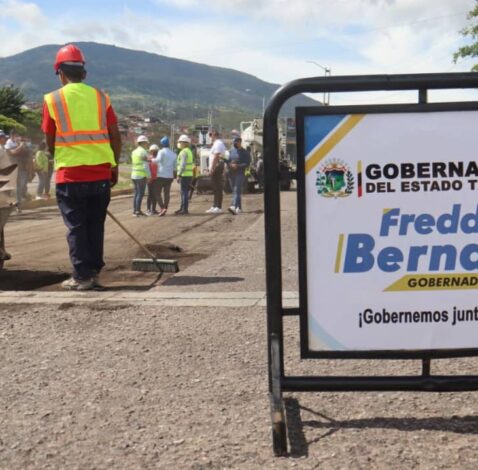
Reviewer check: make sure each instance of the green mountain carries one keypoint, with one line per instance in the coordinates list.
(141, 81)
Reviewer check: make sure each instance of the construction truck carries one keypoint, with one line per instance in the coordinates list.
(252, 140)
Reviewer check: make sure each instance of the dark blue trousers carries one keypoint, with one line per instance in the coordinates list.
(83, 207)
(184, 185)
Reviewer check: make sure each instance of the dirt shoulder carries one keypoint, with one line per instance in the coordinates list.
(36, 241)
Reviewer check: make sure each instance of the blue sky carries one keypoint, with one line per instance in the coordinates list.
(275, 40)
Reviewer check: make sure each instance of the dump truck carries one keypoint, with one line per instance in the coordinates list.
(252, 140)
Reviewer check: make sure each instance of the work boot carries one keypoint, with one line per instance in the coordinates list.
(96, 281)
(78, 284)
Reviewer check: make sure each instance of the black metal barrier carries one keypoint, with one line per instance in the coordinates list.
(278, 381)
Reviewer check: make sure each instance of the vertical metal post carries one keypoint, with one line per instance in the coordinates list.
(273, 235)
(275, 340)
(426, 363)
(423, 96)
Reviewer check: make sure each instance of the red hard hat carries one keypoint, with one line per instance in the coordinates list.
(69, 53)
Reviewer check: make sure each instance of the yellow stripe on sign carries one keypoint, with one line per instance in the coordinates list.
(425, 282)
(338, 258)
(334, 139)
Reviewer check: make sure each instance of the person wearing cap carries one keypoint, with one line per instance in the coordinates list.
(216, 171)
(20, 153)
(4, 160)
(166, 161)
(7, 181)
(185, 172)
(152, 200)
(140, 173)
(82, 135)
(4, 163)
(239, 160)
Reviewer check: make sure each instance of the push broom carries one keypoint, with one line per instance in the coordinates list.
(147, 265)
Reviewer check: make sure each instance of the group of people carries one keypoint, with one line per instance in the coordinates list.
(15, 149)
(156, 167)
(81, 134)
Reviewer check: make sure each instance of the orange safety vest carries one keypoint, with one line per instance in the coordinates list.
(82, 138)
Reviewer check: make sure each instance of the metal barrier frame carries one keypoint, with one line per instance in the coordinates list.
(278, 381)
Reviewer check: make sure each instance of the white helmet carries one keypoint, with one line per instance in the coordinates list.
(153, 147)
(184, 138)
(142, 138)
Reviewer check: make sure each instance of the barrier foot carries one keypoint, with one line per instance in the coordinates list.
(279, 429)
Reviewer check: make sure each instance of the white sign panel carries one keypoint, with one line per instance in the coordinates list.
(392, 231)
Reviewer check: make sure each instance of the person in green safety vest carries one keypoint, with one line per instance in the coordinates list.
(185, 172)
(140, 173)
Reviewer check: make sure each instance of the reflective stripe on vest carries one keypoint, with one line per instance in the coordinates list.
(82, 137)
(137, 163)
(188, 169)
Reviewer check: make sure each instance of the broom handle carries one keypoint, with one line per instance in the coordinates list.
(132, 236)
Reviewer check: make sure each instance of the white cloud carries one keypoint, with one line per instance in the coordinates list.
(352, 36)
(374, 13)
(26, 13)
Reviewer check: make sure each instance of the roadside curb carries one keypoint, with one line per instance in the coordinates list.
(159, 299)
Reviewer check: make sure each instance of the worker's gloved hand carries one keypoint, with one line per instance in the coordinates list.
(114, 176)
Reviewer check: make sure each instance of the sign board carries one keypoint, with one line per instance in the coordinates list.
(388, 214)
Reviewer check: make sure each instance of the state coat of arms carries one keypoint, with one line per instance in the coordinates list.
(334, 179)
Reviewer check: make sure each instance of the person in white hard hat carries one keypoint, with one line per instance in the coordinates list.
(185, 172)
(153, 185)
(140, 173)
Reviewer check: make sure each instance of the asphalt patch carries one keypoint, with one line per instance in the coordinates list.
(11, 279)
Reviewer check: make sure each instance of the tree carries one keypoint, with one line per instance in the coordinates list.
(32, 121)
(11, 102)
(471, 31)
(7, 124)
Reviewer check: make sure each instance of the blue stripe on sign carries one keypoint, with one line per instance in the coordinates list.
(317, 128)
(322, 336)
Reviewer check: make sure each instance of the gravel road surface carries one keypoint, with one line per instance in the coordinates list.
(130, 385)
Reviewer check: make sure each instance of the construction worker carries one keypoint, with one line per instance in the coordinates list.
(239, 161)
(167, 163)
(185, 172)
(82, 134)
(216, 171)
(140, 173)
(153, 185)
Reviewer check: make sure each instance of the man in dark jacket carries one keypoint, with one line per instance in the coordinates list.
(239, 161)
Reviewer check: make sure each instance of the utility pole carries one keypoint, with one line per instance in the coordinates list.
(327, 73)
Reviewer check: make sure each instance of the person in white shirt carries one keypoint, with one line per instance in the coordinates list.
(216, 171)
(4, 163)
(19, 153)
(166, 161)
